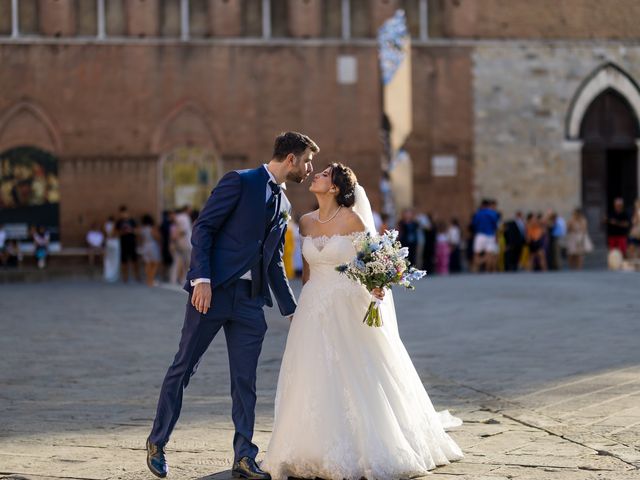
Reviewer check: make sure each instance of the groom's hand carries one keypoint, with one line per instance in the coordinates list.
(201, 298)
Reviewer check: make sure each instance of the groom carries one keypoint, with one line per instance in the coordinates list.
(237, 241)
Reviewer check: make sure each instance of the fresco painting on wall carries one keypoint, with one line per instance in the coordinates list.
(29, 191)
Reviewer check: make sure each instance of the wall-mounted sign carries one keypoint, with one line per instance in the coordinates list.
(347, 70)
(444, 166)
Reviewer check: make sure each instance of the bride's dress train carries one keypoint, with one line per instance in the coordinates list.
(349, 402)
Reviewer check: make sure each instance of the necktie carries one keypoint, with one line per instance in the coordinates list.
(272, 204)
(270, 217)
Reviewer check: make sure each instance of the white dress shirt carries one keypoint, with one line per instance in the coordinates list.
(268, 193)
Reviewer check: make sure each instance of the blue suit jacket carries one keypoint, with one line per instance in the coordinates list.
(228, 237)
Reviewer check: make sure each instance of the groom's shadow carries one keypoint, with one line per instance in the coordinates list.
(226, 475)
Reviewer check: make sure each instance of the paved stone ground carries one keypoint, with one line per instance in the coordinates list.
(543, 369)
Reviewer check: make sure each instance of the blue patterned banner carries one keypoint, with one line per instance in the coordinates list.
(392, 38)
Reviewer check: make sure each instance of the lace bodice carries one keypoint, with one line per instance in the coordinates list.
(324, 250)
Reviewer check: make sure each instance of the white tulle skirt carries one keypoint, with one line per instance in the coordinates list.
(349, 402)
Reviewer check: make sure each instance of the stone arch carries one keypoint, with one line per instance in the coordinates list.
(607, 76)
(27, 124)
(185, 125)
(189, 162)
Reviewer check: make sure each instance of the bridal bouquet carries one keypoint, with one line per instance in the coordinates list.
(381, 261)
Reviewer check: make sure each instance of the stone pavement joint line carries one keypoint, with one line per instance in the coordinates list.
(512, 410)
(569, 438)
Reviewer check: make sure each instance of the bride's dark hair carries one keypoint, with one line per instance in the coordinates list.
(344, 178)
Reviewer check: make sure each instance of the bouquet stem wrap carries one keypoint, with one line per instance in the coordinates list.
(373, 317)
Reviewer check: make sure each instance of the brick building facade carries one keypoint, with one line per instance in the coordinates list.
(130, 96)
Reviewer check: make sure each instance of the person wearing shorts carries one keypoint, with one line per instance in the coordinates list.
(485, 243)
(485, 246)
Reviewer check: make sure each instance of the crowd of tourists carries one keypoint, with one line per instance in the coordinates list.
(130, 247)
(153, 252)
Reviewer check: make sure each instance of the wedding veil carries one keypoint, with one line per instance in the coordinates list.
(362, 207)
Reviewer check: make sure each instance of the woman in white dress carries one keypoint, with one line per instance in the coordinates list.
(111, 260)
(150, 249)
(349, 402)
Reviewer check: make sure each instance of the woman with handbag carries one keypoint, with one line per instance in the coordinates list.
(578, 240)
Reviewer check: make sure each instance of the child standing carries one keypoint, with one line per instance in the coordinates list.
(443, 250)
(41, 243)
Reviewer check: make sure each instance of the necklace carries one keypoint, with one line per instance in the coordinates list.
(332, 216)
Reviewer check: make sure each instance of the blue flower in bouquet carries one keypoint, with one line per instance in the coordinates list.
(415, 275)
(403, 252)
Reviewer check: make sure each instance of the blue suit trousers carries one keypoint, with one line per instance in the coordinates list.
(242, 318)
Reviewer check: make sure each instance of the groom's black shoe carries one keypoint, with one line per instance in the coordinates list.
(155, 460)
(246, 467)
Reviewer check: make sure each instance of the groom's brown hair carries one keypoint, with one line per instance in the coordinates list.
(292, 142)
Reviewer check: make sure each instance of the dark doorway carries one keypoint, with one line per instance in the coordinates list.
(622, 176)
(609, 159)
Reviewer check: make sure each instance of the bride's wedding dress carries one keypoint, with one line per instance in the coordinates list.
(349, 402)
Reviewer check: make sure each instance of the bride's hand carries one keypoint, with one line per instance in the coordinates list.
(378, 293)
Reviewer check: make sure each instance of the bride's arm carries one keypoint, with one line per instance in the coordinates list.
(302, 229)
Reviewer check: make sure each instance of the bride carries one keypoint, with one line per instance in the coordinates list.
(349, 402)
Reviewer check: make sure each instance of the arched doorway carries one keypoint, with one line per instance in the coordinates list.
(29, 192)
(188, 176)
(609, 130)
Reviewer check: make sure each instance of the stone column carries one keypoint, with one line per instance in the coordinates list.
(305, 18)
(225, 18)
(572, 155)
(142, 18)
(57, 19)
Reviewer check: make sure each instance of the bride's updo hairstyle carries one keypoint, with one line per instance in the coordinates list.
(344, 178)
